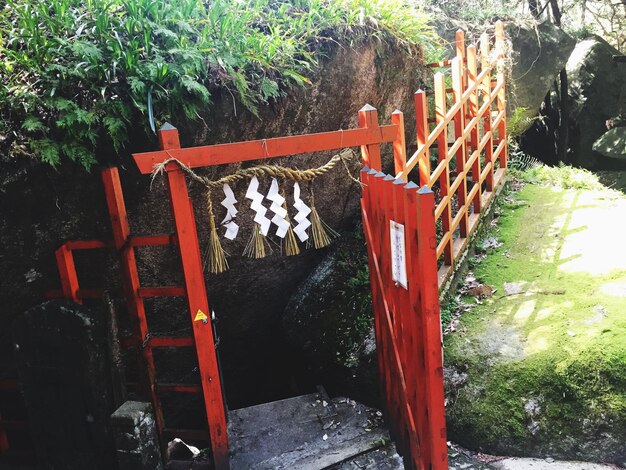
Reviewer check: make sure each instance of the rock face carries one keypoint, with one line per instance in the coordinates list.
(539, 368)
(597, 92)
(612, 144)
(42, 207)
(540, 53)
(63, 368)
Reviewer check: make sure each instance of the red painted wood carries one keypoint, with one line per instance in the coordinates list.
(370, 151)
(422, 131)
(130, 282)
(458, 78)
(221, 154)
(67, 272)
(4, 439)
(170, 342)
(432, 335)
(197, 301)
(161, 292)
(88, 244)
(178, 388)
(153, 240)
(399, 144)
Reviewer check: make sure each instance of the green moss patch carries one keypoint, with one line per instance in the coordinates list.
(545, 356)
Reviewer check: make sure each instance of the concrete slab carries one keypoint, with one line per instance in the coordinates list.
(547, 464)
(310, 432)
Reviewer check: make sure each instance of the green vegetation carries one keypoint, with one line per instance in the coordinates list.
(545, 355)
(77, 75)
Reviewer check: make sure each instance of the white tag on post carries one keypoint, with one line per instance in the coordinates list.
(398, 254)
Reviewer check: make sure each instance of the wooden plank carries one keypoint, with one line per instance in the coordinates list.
(153, 240)
(178, 388)
(171, 291)
(370, 152)
(170, 342)
(399, 144)
(472, 72)
(421, 131)
(191, 260)
(81, 294)
(444, 179)
(67, 272)
(432, 334)
(130, 283)
(366, 204)
(459, 128)
(88, 244)
(415, 387)
(220, 154)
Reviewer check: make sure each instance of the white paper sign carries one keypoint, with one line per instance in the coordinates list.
(398, 254)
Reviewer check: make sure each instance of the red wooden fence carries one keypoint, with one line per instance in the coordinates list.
(407, 320)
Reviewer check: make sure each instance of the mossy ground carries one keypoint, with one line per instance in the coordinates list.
(546, 367)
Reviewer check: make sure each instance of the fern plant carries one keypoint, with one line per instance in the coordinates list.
(79, 73)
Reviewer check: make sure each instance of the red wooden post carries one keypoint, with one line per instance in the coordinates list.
(501, 99)
(459, 128)
(4, 440)
(366, 211)
(189, 248)
(442, 151)
(399, 144)
(370, 154)
(472, 73)
(418, 389)
(432, 335)
(131, 285)
(405, 213)
(422, 131)
(67, 272)
(486, 89)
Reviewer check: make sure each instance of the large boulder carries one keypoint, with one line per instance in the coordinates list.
(597, 87)
(45, 206)
(540, 53)
(539, 368)
(612, 144)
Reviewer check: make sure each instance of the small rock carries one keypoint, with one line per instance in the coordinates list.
(179, 450)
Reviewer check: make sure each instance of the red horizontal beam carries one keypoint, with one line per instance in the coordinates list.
(88, 244)
(153, 240)
(8, 384)
(12, 425)
(170, 342)
(178, 388)
(82, 294)
(172, 291)
(268, 148)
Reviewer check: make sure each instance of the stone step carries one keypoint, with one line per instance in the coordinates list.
(310, 432)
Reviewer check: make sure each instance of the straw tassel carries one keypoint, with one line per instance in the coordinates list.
(290, 244)
(321, 233)
(256, 245)
(215, 256)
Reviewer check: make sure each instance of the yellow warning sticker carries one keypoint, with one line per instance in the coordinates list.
(200, 315)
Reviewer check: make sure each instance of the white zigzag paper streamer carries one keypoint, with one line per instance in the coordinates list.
(256, 205)
(231, 212)
(278, 209)
(301, 216)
